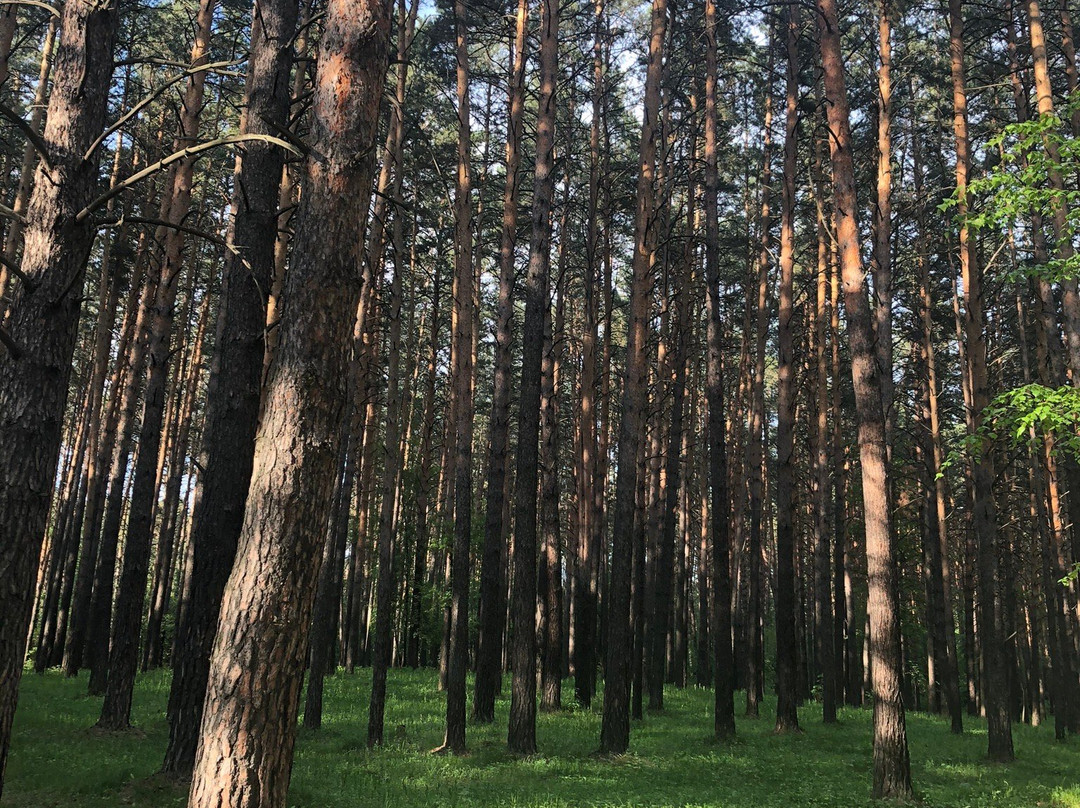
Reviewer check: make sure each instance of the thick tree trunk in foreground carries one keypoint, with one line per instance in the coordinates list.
(43, 322)
(892, 767)
(249, 725)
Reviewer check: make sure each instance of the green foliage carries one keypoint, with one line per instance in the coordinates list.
(1032, 154)
(56, 761)
(1073, 575)
(1013, 415)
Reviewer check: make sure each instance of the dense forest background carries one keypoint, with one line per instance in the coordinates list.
(717, 344)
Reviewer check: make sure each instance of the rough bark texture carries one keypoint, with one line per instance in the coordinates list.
(43, 320)
(248, 730)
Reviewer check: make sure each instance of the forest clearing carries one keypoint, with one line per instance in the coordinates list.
(539, 402)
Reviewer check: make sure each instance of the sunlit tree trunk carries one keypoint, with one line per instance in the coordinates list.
(892, 767)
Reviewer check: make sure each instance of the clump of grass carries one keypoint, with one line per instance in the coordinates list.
(56, 761)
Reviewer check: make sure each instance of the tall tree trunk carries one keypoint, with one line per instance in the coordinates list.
(615, 728)
(882, 221)
(248, 729)
(938, 547)
(521, 737)
(828, 587)
(551, 585)
(787, 691)
(384, 597)
(892, 767)
(984, 510)
(492, 614)
(43, 321)
(462, 371)
(719, 498)
(754, 446)
(328, 585)
(592, 483)
(161, 590)
(423, 487)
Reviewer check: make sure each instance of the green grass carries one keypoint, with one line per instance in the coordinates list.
(57, 761)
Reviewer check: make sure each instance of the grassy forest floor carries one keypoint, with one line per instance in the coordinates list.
(56, 760)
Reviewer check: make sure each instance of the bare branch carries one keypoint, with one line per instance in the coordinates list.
(156, 93)
(287, 134)
(8, 213)
(36, 140)
(203, 234)
(191, 151)
(16, 270)
(13, 348)
(50, 8)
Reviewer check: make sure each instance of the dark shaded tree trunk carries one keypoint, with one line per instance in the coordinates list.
(938, 567)
(164, 275)
(521, 737)
(233, 387)
(719, 497)
(492, 614)
(615, 728)
(984, 510)
(42, 322)
(550, 571)
(384, 596)
(328, 588)
(462, 371)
